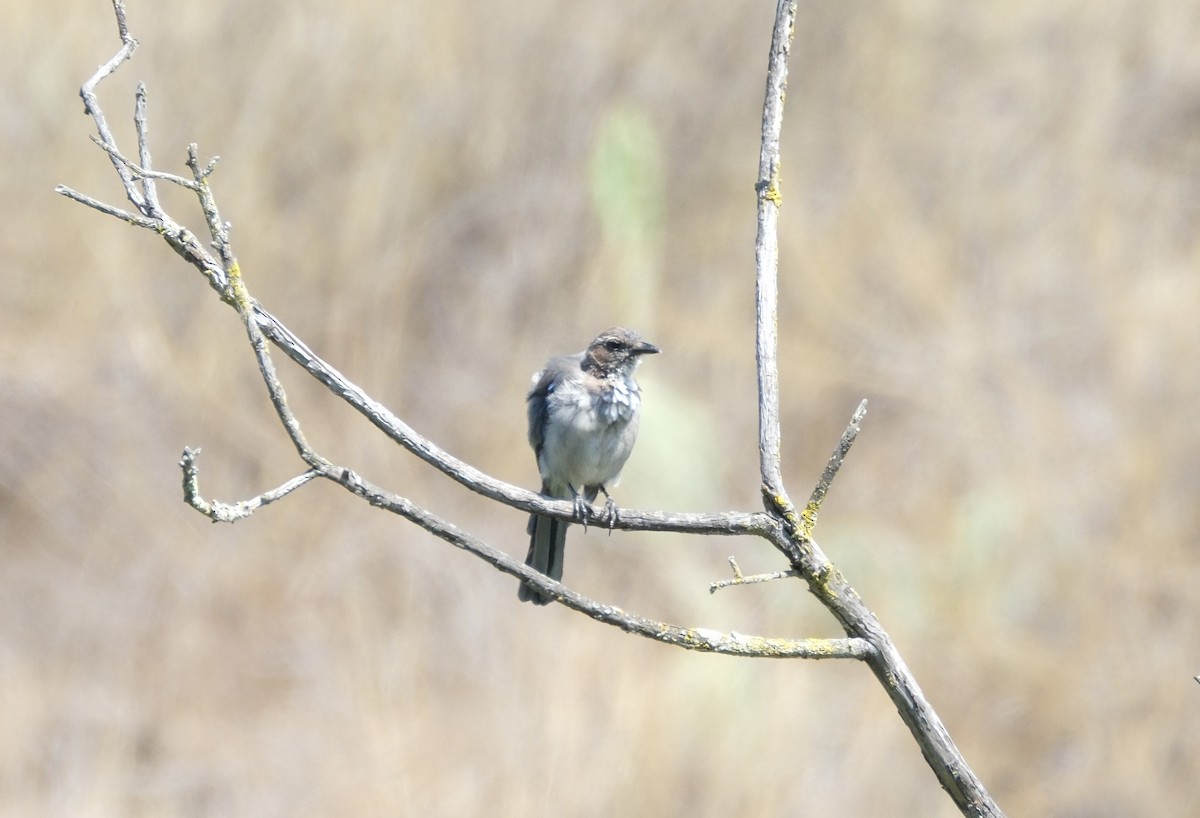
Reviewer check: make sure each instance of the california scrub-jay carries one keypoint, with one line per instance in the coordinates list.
(583, 421)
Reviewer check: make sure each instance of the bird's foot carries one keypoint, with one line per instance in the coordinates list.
(610, 511)
(582, 511)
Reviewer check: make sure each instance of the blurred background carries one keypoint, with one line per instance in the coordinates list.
(989, 231)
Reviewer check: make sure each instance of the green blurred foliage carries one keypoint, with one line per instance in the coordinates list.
(989, 230)
(628, 194)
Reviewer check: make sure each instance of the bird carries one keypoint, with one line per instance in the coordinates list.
(583, 420)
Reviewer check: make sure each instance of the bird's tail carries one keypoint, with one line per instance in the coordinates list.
(547, 542)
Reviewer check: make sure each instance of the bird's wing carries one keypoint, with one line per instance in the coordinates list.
(537, 401)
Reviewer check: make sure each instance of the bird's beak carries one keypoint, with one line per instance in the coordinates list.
(645, 348)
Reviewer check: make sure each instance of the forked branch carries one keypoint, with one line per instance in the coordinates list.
(779, 523)
(794, 536)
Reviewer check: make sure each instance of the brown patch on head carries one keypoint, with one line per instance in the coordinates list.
(615, 350)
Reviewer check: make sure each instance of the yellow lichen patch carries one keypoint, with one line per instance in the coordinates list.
(809, 517)
(772, 194)
(241, 298)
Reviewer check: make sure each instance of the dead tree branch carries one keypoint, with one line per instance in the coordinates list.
(794, 536)
(780, 523)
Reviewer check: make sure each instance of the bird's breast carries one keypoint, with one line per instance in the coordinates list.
(589, 434)
(620, 403)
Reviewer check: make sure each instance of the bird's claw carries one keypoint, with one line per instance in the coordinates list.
(610, 513)
(585, 512)
(581, 508)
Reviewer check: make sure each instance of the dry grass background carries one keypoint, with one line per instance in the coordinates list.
(989, 230)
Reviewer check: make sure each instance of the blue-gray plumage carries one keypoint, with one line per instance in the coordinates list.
(583, 421)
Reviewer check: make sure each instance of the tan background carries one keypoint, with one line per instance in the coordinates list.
(990, 231)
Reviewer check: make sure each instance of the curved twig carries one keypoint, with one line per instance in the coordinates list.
(230, 512)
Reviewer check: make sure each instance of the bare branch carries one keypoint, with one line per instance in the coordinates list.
(741, 579)
(260, 326)
(225, 512)
(217, 227)
(142, 171)
(122, 26)
(780, 524)
(92, 106)
(222, 276)
(698, 639)
(106, 209)
(725, 523)
(266, 367)
(690, 638)
(143, 138)
(766, 254)
(180, 239)
(794, 537)
(809, 517)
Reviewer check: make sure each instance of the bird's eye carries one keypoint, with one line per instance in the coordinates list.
(612, 344)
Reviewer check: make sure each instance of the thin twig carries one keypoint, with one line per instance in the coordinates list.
(106, 209)
(741, 579)
(92, 106)
(266, 367)
(217, 228)
(141, 171)
(813, 508)
(230, 512)
(142, 127)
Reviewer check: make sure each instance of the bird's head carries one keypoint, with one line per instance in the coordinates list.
(615, 351)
